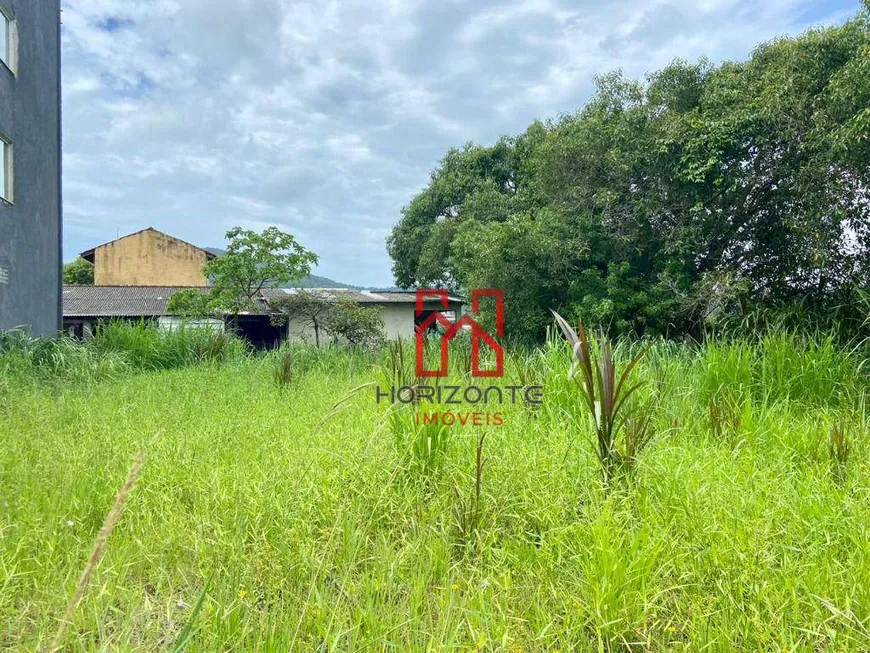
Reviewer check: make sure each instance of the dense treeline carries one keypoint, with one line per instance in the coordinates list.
(700, 195)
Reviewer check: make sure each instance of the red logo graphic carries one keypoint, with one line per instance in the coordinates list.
(427, 319)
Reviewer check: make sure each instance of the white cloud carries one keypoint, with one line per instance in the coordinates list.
(500, 17)
(324, 117)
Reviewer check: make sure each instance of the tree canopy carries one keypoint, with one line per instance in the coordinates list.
(700, 192)
(78, 272)
(309, 307)
(251, 262)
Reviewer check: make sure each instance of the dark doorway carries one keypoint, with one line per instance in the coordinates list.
(258, 330)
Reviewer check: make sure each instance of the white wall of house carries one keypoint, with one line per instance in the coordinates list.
(398, 323)
(302, 331)
(168, 323)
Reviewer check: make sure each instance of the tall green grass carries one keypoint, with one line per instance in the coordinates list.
(24, 358)
(117, 347)
(256, 524)
(150, 348)
(782, 365)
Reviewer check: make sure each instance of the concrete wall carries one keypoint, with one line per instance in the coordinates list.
(399, 321)
(149, 258)
(30, 226)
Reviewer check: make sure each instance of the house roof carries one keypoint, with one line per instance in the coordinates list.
(360, 296)
(117, 301)
(150, 301)
(89, 254)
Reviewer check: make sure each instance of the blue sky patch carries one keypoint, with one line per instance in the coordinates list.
(115, 24)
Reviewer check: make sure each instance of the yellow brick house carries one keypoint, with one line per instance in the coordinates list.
(148, 258)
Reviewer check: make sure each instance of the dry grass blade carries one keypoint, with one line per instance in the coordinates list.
(283, 372)
(341, 403)
(109, 524)
(840, 448)
(469, 511)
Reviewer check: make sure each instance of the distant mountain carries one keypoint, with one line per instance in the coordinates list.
(314, 281)
(311, 281)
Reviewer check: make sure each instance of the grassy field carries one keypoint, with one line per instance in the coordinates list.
(303, 526)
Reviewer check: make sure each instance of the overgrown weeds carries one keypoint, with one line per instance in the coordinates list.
(813, 369)
(398, 367)
(637, 433)
(151, 348)
(726, 414)
(117, 348)
(57, 359)
(216, 348)
(109, 523)
(482, 545)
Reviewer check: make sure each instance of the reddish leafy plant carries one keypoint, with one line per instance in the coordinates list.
(609, 397)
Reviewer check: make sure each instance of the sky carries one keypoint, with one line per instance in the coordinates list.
(325, 118)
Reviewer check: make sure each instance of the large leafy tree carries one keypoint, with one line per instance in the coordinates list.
(662, 202)
(193, 303)
(475, 183)
(780, 206)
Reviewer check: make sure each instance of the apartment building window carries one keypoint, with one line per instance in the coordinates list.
(7, 38)
(5, 169)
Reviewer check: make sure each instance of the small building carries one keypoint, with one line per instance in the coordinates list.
(30, 166)
(148, 258)
(398, 309)
(84, 307)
